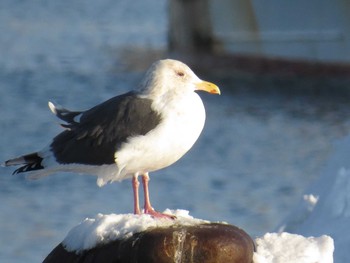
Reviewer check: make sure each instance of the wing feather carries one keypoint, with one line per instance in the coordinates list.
(70, 117)
(103, 129)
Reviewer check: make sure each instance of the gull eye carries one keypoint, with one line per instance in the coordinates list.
(180, 73)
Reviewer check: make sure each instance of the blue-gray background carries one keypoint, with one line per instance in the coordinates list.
(250, 166)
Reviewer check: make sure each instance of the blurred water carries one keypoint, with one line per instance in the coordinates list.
(255, 157)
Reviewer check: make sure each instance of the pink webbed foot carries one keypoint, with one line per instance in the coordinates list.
(156, 214)
(148, 209)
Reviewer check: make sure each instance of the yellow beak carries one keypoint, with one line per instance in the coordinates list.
(208, 87)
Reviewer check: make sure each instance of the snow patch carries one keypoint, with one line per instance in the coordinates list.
(311, 201)
(292, 248)
(106, 228)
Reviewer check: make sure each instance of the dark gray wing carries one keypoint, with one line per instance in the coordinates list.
(102, 130)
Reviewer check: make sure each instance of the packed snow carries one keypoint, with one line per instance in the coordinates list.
(292, 248)
(106, 228)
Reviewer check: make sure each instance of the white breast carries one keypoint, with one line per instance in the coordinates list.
(182, 123)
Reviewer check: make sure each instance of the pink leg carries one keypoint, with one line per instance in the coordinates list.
(148, 209)
(135, 188)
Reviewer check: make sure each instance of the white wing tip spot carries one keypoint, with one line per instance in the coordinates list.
(52, 107)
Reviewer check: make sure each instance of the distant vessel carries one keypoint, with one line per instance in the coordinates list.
(303, 30)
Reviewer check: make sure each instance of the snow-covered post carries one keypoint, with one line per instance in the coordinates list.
(142, 238)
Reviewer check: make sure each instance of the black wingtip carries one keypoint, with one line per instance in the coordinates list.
(29, 162)
(28, 167)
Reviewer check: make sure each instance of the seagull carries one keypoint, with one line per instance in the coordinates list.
(129, 135)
